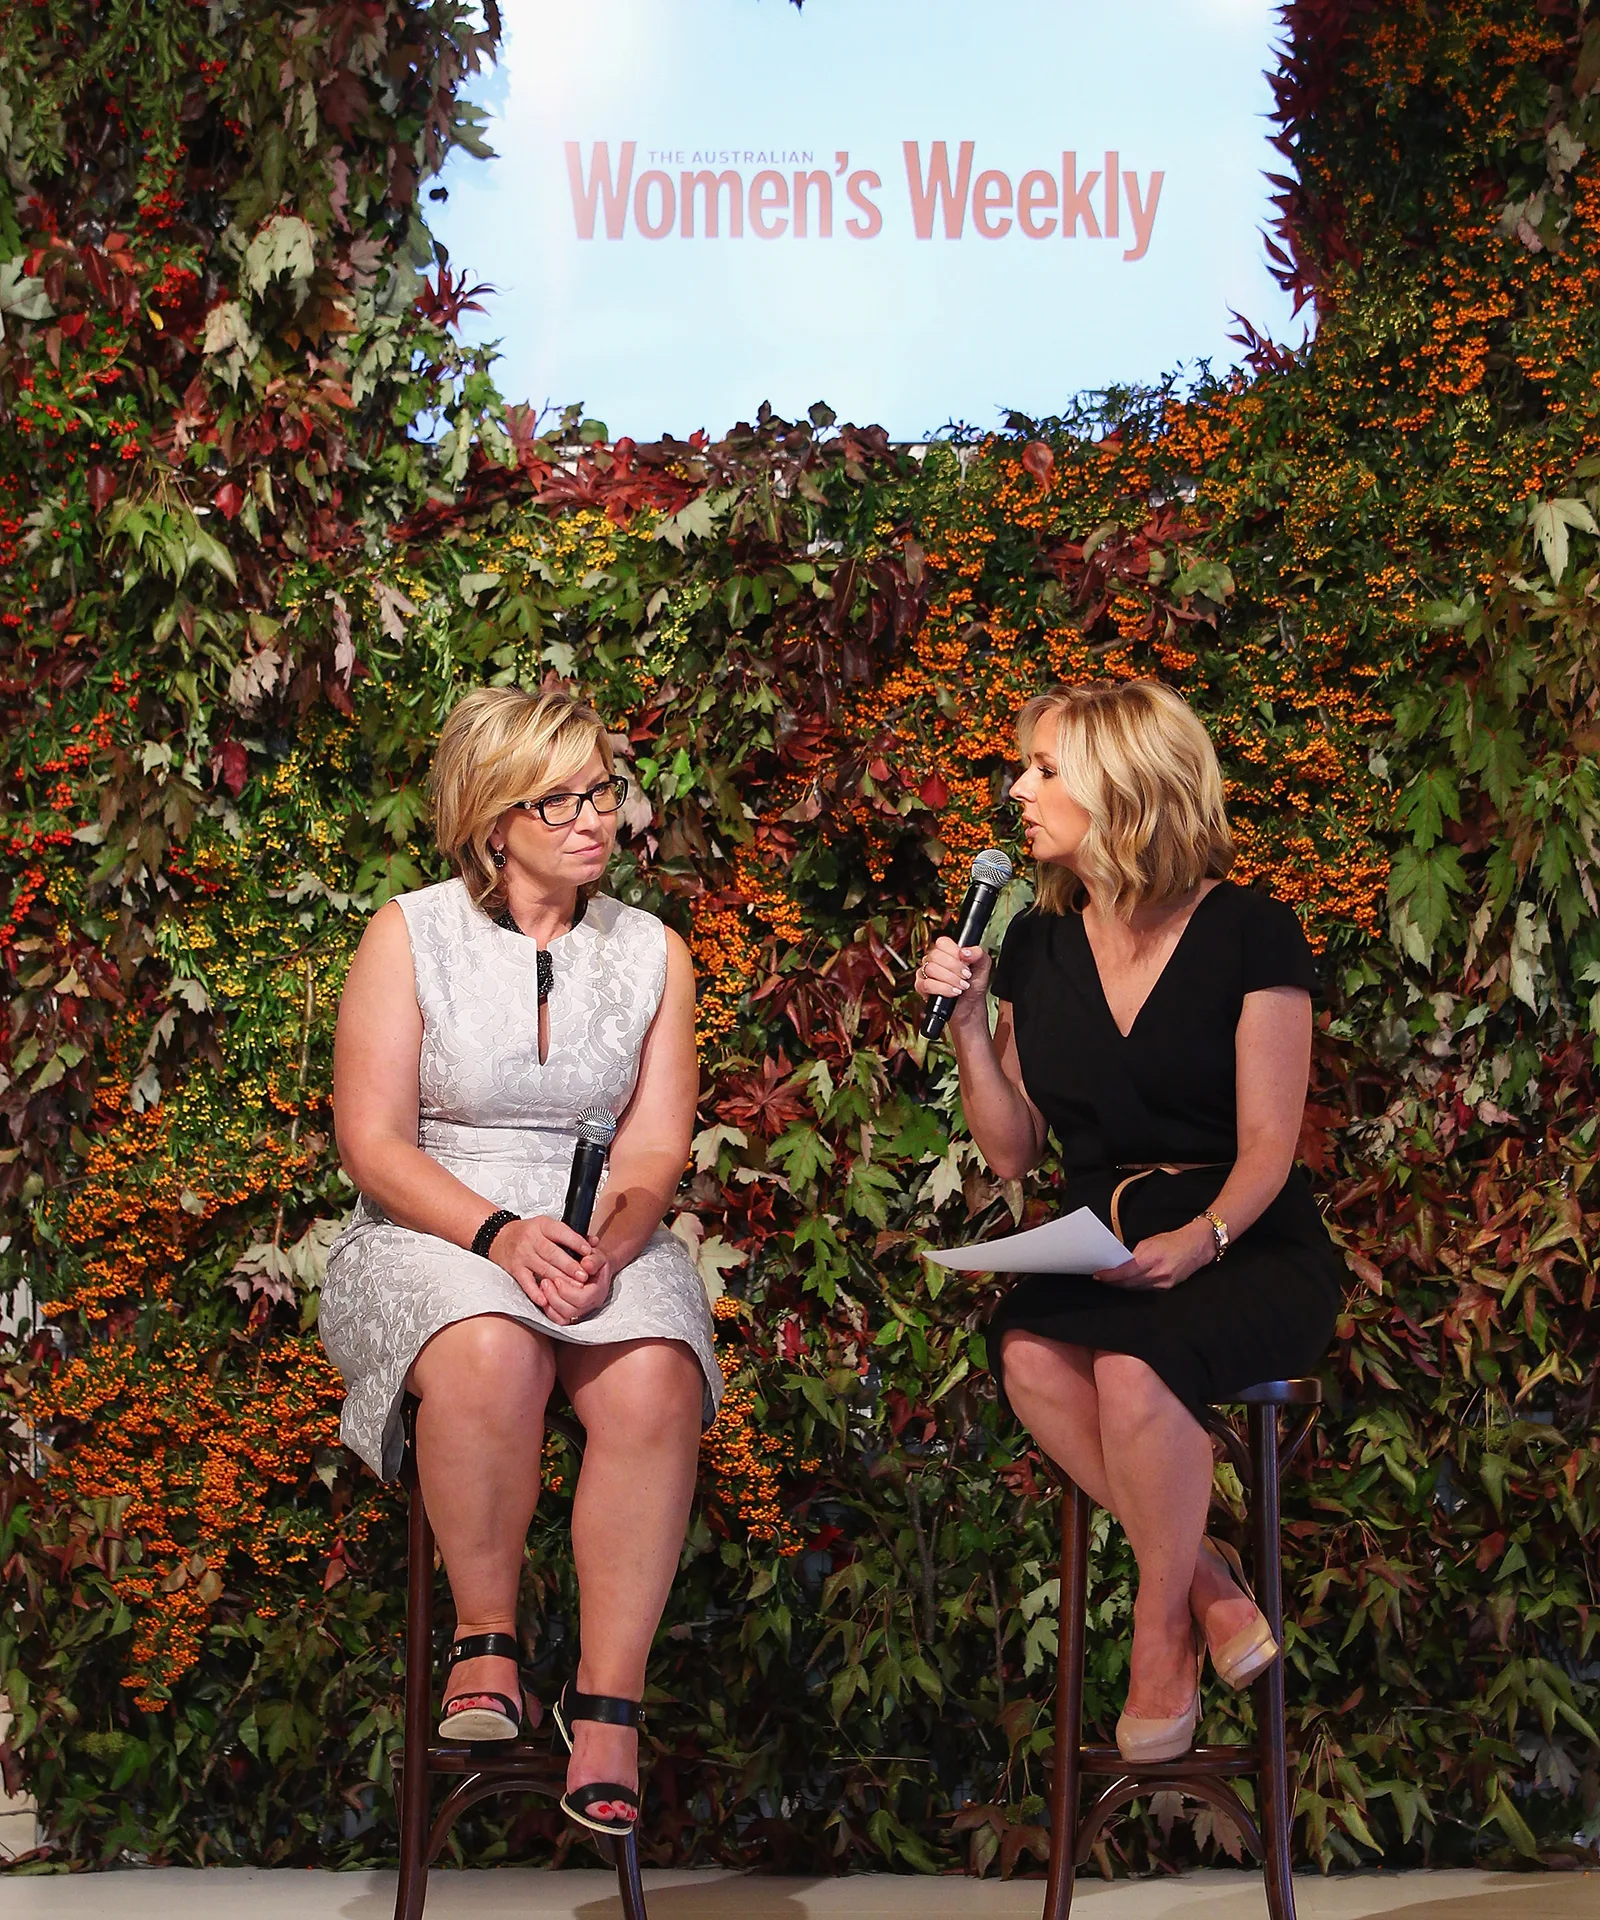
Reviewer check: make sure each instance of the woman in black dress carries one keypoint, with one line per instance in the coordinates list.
(1157, 1020)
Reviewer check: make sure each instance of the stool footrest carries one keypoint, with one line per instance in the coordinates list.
(538, 1766)
(1211, 1761)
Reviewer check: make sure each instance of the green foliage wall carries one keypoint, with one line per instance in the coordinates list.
(261, 518)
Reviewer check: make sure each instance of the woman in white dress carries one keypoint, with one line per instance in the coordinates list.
(480, 1019)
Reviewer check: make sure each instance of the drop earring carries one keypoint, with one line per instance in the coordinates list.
(498, 856)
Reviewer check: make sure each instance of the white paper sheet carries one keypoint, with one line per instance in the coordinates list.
(1078, 1242)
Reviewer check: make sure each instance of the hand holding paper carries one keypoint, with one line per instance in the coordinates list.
(1078, 1242)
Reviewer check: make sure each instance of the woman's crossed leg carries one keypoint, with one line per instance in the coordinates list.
(1113, 1426)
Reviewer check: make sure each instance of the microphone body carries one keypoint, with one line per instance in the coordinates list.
(990, 873)
(595, 1129)
(588, 1163)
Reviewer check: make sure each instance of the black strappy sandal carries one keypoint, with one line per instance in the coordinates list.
(572, 1706)
(474, 1724)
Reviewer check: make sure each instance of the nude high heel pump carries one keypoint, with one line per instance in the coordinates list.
(1144, 1741)
(1252, 1649)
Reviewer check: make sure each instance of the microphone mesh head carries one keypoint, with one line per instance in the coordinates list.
(596, 1127)
(991, 868)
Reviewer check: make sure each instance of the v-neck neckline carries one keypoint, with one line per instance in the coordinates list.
(526, 944)
(1155, 985)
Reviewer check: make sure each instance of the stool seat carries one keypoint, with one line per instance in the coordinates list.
(1277, 1393)
(1204, 1773)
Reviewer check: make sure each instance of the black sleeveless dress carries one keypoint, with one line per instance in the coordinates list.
(1166, 1093)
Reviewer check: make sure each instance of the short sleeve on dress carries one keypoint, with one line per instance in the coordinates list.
(1011, 969)
(1276, 951)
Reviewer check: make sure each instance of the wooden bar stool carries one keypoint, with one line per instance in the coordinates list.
(476, 1772)
(1205, 1773)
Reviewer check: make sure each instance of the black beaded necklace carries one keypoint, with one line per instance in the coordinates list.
(545, 963)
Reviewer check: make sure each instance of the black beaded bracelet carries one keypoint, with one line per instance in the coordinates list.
(483, 1239)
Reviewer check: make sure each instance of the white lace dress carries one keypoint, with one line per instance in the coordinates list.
(504, 1123)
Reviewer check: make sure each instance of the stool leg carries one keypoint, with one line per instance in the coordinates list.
(1064, 1780)
(415, 1781)
(1277, 1810)
(629, 1885)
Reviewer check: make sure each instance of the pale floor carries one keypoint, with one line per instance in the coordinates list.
(582, 1894)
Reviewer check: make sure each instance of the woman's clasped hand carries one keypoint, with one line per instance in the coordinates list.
(566, 1274)
(1165, 1259)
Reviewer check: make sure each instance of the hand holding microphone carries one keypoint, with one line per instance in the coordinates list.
(956, 966)
(563, 1272)
(580, 1298)
(957, 975)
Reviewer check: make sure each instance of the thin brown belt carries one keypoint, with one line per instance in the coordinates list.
(1135, 1171)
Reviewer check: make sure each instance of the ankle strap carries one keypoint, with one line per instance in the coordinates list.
(603, 1706)
(478, 1646)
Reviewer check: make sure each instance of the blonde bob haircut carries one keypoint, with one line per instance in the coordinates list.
(1135, 757)
(501, 745)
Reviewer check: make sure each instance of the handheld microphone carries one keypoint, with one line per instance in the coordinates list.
(990, 872)
(595, 1130)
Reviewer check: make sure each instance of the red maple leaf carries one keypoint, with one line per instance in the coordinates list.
(764, 1102)
(445, 302)
(231, 762)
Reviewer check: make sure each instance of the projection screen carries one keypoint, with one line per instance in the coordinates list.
(918, 211)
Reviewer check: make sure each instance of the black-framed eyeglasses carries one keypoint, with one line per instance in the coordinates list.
(561, 809)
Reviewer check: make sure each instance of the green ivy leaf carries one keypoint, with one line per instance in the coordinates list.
(1511, 1823)
(398, 812)
(1204, 579)
(1421, 884)
(802, 1153)
(867, 1188)
(284, 246)
(1430, 800)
